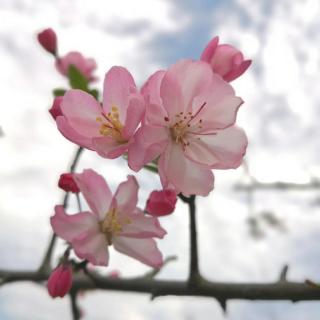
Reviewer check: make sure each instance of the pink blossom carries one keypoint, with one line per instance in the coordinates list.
(85, 65)
(113, 220)
(67, 183)
(48, 40)
(60, 281)
(161, 203)
(189, 125)
(225, 60)
(55, 110)
(107, 130)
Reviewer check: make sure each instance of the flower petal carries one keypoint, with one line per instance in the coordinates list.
(149, 142)
(228, 146)
(208, 52)
(69, 227)
(238, 70)
(184, 87)
(81, 111)
(126, 196)
(95, 190)
(151, 89)
(72, 135)
(142, 226)
(218, 115)
(187, 176)
(134, 115)
(109, 148)
(118, 84)
(144, 250)
(93, 247)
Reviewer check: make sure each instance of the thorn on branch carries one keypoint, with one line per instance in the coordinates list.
(312, 284)
(223, 305)
(283, 274)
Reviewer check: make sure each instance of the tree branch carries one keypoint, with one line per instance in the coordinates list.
(277, 185)
(76, 313)
(222, 291)
(45, 264)
(194, 274)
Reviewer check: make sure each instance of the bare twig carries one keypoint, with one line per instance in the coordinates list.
(151, 274)
(194, 274)
(46, 262)
(76, 313)
(278, 185)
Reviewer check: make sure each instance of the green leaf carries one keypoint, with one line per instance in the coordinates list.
(76, 79)
(59, 92)
(94, 93)
(152, 168)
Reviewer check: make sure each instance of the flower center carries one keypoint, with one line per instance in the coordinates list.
(182, 126)
(112, 224)
(111, 125)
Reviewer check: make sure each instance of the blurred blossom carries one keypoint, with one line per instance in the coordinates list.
(85, 65)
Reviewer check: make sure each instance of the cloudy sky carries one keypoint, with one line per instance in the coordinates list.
(280, 115)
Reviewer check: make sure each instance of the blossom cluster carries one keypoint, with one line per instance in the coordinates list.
(181, 122)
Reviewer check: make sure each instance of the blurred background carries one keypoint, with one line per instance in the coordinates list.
(242, 236)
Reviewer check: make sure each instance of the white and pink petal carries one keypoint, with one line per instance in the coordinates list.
(70, 227)
(95, 190)
(142, 226)
(144, 250)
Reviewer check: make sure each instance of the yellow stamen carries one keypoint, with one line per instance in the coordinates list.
(111, 125)
(112, 224)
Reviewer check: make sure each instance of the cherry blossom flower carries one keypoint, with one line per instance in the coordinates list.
(85, 65)
(60, 281)
(48, 40)
(189, 125)
(107, 130)
(225, 60)
(113, 220)
(161, 203)
(67, 183)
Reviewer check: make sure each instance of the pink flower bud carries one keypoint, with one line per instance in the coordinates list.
(67, 183)
(161, 203)
(55, 110)
(85, 65)
(48, 40)
(225, 60)
(60, 281)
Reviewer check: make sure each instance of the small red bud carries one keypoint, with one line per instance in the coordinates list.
(67, 183)
(55, 109)
(60, 281)
(48, 40)
(161, 203)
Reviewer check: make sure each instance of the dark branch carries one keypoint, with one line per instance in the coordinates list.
(76, 313)
(222, 291)
(278, 185)
(194, 274)
(45, 264)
